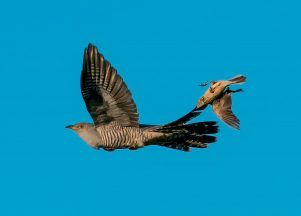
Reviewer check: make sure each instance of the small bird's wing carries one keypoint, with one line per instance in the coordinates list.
(223, 109)
(106, 95)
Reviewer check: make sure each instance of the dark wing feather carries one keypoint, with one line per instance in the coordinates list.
(186, 118)
(106, 95)
(223, 109)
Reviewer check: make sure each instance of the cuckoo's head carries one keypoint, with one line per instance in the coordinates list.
(87, 132)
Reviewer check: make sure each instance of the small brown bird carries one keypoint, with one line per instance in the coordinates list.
(216, 90)
(219, 96)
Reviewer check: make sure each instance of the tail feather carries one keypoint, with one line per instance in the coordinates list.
(209, 127)
(186, 118)
(183, 137)
(175, 146)
(238, 79)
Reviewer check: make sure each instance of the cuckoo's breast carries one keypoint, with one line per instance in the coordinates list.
(117, 136)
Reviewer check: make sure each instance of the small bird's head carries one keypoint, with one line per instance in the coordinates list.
(79, 127)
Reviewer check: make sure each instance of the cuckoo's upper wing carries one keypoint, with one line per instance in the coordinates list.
(106, 95)
(223, 109)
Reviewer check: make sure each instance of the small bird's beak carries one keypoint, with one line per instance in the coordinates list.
(204, 84)
(69, 127)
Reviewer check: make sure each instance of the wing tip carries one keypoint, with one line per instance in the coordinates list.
(91, 49)
(90, 46)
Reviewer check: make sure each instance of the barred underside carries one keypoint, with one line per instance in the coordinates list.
(181, 137)
(115, 136)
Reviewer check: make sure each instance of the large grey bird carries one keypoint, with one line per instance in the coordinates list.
(115, 115)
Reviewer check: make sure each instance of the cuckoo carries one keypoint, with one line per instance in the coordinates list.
(116, 119)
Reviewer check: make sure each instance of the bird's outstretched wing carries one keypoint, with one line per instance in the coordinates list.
(223, 109)
(106, 95)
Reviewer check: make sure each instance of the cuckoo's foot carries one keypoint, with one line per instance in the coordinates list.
(109, 149)
(133, 148)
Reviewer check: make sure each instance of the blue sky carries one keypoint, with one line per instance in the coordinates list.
(163, 50)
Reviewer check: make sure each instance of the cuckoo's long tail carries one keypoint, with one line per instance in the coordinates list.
(182, 137)
(240, 79)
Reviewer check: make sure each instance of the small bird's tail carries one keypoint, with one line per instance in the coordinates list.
(239, 79)
(182, 137)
